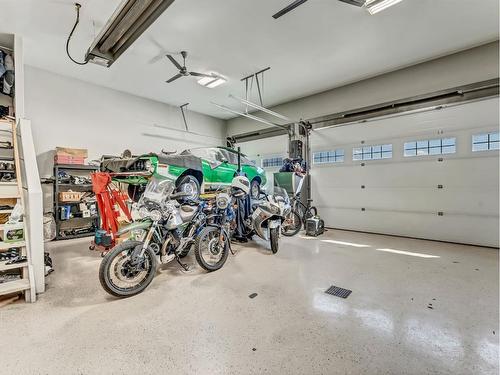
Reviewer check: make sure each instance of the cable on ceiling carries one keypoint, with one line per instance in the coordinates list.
(77, 6)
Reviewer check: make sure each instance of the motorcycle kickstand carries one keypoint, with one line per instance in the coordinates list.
(185, 267)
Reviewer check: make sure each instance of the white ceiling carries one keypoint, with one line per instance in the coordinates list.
(321, 45)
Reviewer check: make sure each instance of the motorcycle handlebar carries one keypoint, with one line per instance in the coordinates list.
(180, 194)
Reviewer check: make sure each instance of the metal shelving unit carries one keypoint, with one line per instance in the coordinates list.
(12, 191)
(75, 222)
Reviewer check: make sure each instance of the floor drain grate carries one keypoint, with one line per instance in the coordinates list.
(339, 292)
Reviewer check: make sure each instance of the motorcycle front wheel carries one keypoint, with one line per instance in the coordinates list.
(274, 237)
(210, 253)
(119, 277)
(292, 224)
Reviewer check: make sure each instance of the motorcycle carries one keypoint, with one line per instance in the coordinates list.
(167, 230)
(268, 216)
(213, 242)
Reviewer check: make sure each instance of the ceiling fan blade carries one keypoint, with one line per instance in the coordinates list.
(358, 3)
(289, 8)
(201, 75)
(177, 76)
(177, 65)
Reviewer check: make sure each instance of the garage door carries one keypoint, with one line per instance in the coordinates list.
(430, 175)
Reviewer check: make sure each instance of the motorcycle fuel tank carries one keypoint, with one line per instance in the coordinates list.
(174, 220)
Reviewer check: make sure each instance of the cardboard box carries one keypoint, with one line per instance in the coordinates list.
(72, 152)
(60, 159)
(70, 196)
(66, 155)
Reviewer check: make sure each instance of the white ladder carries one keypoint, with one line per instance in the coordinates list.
(12, 192)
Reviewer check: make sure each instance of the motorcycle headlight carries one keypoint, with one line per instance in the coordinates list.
(155, 215)
(222, 201)
(143, 212)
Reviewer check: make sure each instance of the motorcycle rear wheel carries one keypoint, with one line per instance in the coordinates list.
(274, 237)
(209, 255)
(119, 278)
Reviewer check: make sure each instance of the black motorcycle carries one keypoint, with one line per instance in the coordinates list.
(213, 244)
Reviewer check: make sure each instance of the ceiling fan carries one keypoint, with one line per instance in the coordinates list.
(373, 6)
(183, 72)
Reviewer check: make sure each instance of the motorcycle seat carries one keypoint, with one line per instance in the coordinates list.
(187, 208)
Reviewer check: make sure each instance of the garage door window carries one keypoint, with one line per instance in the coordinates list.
(372, 152)
(324, 157)
(272, 162)
(430, 147)
(485, 141)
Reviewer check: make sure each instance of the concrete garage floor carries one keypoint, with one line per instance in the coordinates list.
(199, 323)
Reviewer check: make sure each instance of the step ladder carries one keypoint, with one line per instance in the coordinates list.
(11, 193)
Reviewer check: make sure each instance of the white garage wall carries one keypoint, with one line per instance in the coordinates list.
(72, 113)
(68, 112)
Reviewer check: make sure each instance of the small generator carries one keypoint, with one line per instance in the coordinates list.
(315, 226)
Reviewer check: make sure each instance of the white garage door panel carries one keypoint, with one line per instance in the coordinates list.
(479, 172)
(425, 200)
(401, 194)
(453, 228)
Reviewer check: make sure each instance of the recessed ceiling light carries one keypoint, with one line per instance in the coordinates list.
(212, 82)
(375, 6)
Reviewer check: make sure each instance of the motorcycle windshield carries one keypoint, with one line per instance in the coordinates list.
(280, 192)
(281, 197)
(158, 190)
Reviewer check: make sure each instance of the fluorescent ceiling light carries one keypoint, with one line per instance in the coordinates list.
(375, 6)
(212, 82)
(128, 22)
(420, 255)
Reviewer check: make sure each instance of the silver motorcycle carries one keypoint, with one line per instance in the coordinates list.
(268, 216)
